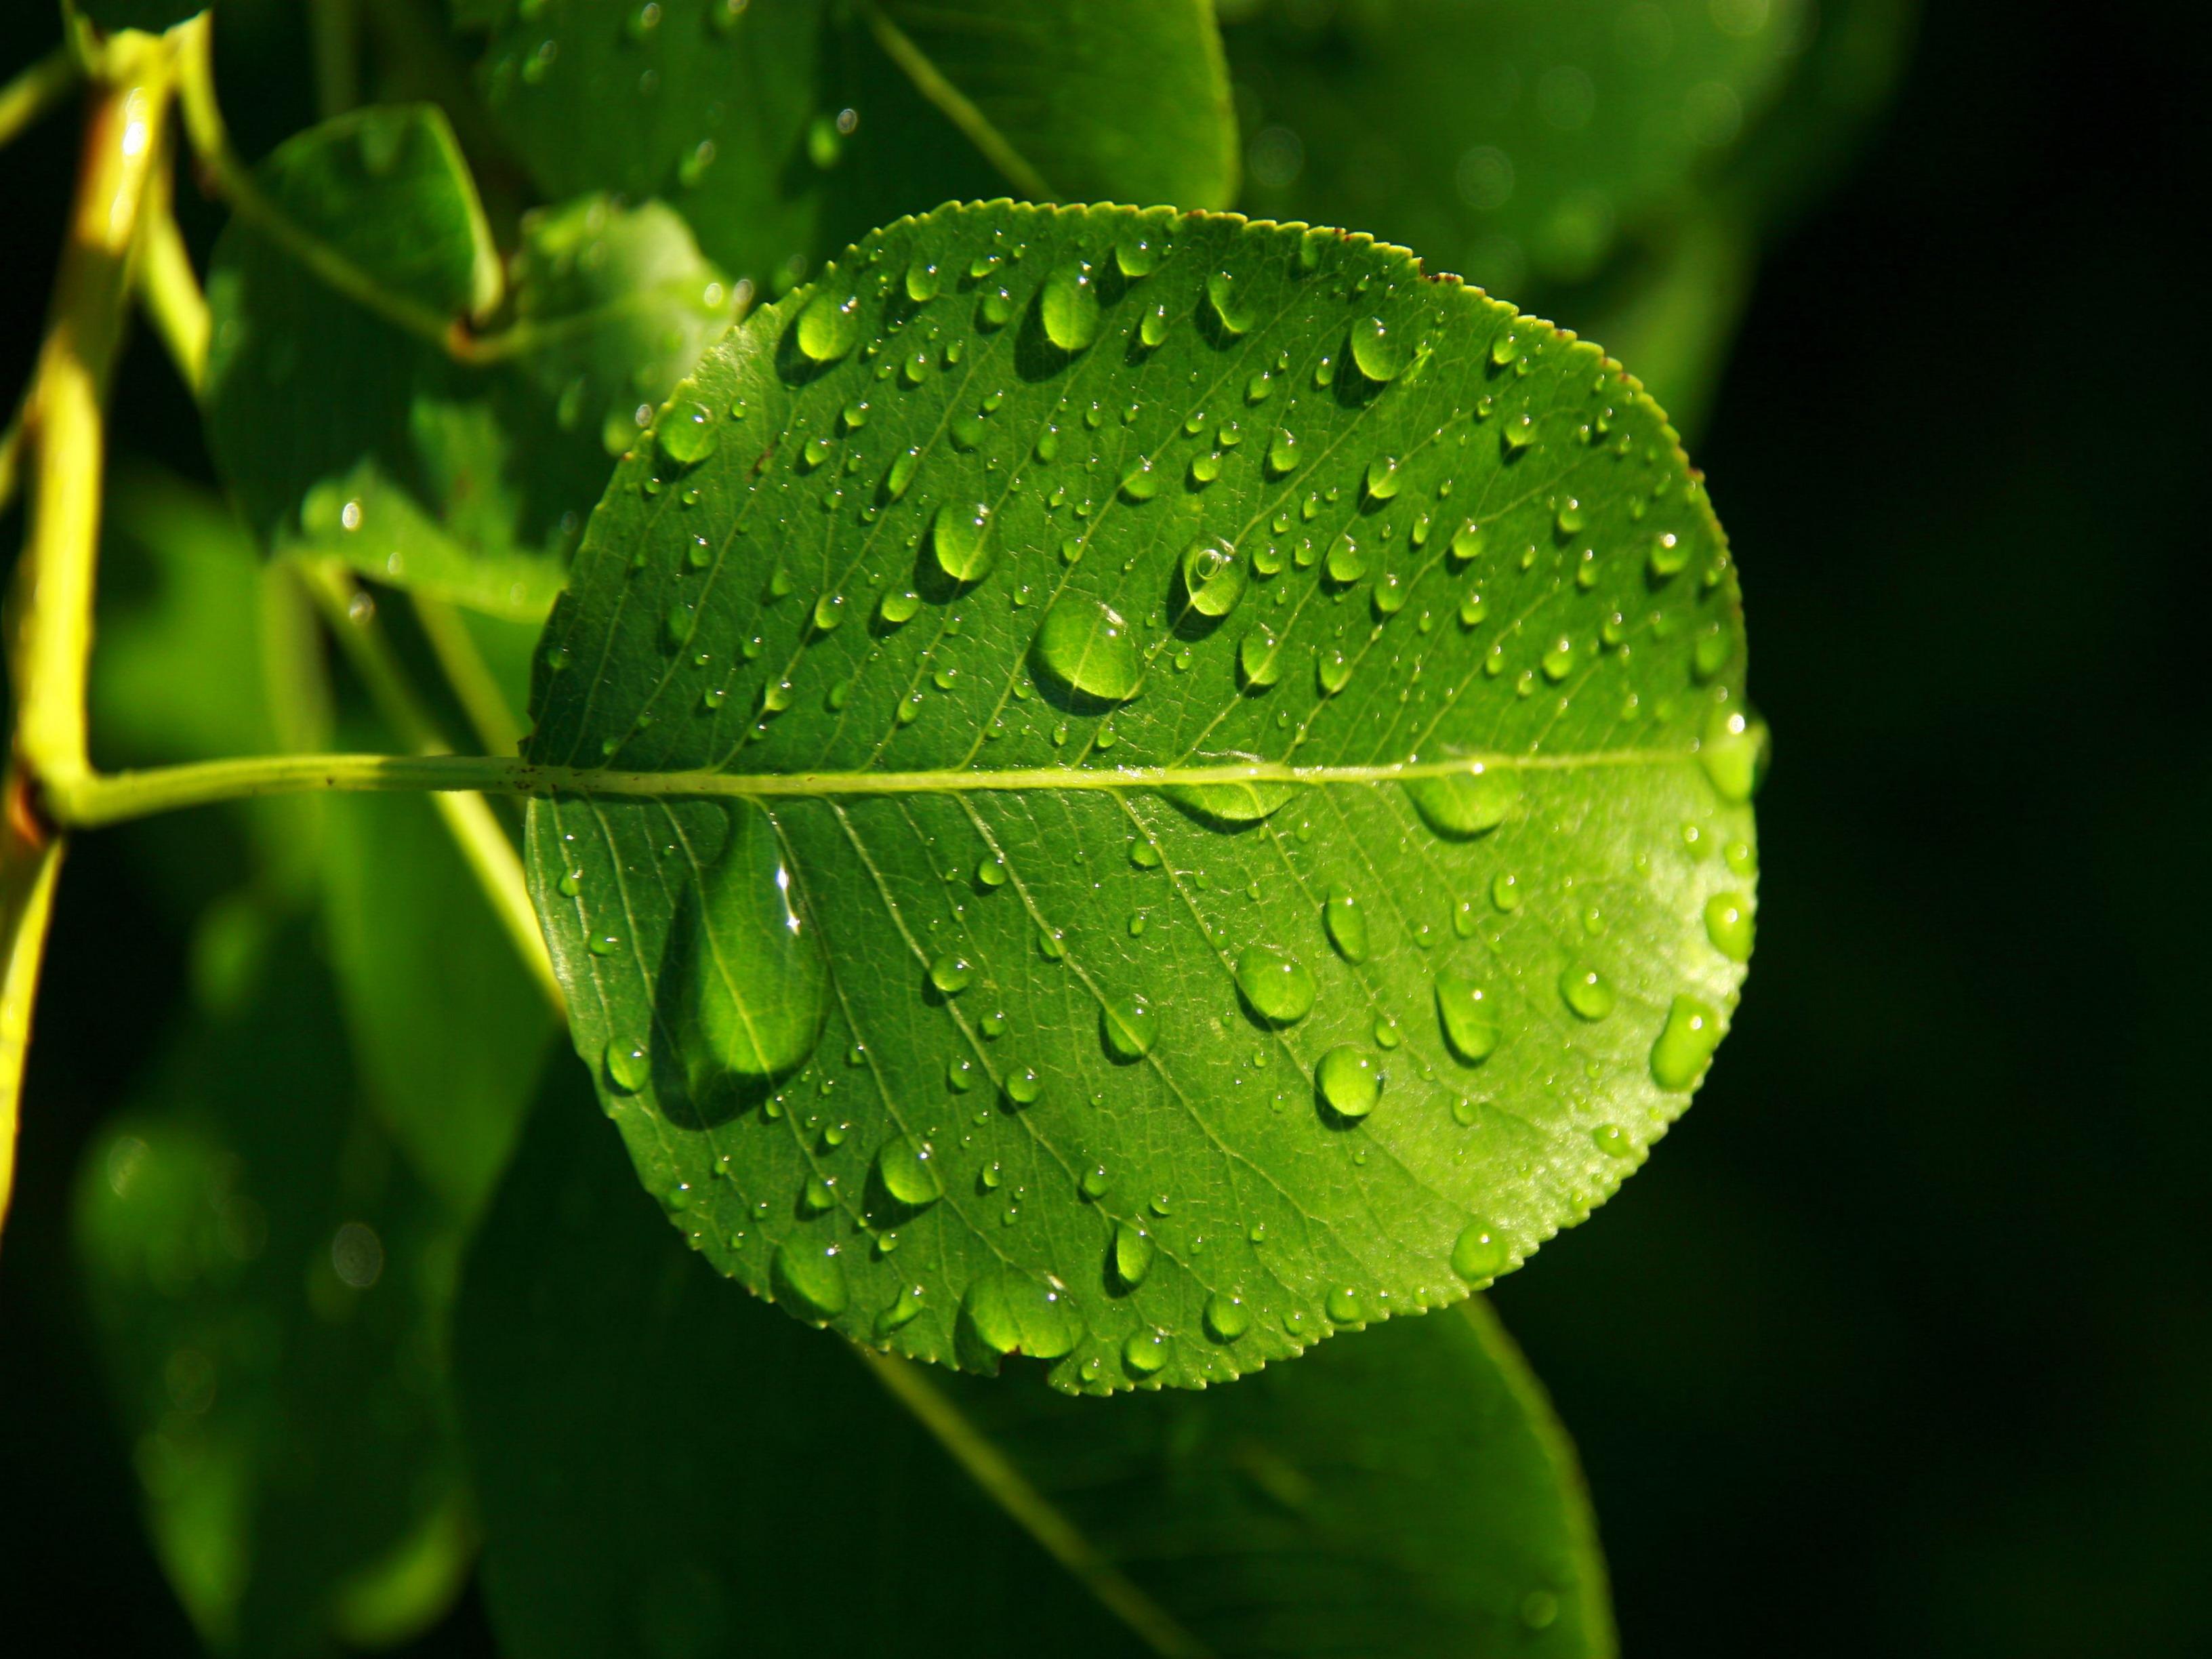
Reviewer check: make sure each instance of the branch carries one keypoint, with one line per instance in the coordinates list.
(35, 91)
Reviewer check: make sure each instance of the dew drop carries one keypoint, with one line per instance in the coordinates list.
(1086, 647)
(690, 433)
(1347, 560)
(1068, 306)
(1222, 293)
(1128, 1026)
(1670, 553)
(1377, 351)
(952, 974)
(1734, 752)
(757, 976)
(1259, 658)
(1351, 1080)
(828, 325)
(1132, 1253)
(1460, 805)
(628, 1065)
(1342, 1305)
(1479, 1254)
(1213, 579)
(1685, 1045)
(810, 1278)
(1345, 923)
(1587, 992)
(1010, 1311)
(1145, 1354)
(905, 1167)
(1469, 1018)
(1727, 925)
(1276, 984)
(901, 473)
(1227, 1318)
(1141, 481)
(898, 606)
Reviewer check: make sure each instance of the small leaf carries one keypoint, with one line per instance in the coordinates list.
(342, 434)
(1037, 808)
(751, 1465)
(784, 131)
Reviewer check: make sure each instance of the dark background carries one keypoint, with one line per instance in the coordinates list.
(1903, 1343)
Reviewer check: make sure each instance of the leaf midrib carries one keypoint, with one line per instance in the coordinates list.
(700, 783)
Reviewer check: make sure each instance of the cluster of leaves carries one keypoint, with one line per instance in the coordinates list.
(1138, 789)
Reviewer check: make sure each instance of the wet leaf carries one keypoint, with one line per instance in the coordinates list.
(903, 750)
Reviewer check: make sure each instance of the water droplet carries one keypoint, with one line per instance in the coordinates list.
(1558, 660)
(1342, 1305)
(1727, 925)
(1141, 481)
(828, 325)
(1133, 1254)
(1095, 1182)
(1223, 291)
(810, 1279)
(1469, 1019)
(1351, 1079)
(1685, 1045)
(690, 433)
(1506, 890)
(958, 537)
(1332, 672)
(1382, 480)
(1733, 753)
(1347, 560)
(1259, 658)
(1479, 1254)
(902, 1312)
(952, 974)
(759, 976)
(829, 611)
(1227, 1318)
(1145, 1353)
(1378, 351)
(1282, 453)
(1128, 1026)
(1023, 1086)
(628, 1065)
(1086, 647)
(1068, 306)
(1276, 984)
(905, 1167)
(1586, 991)
(1213, 579)
(991, 870)
(1345, 923)
(1138, 256)
(1670, 553)
(1010, 1311)
(1459, 806)
(1519, 433)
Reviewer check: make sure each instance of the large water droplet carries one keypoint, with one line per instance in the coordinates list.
(1260, 657)
(1086, 647)
(1479, 1254)
(759, 976)
(1227, 1318)
(1276, 984)
(1145, 1353)
(689, 433)
(1068, 306)
(1129, 1027)
(1734, 752)
(1012, 1312)
(1586, 991)
(1469, 1017)
(950, 973)
(958, 537)
(1727, 925)
(1346, 924)
(810, 1279)
(1223, 290)
(1686, 1044)
(1132, 1253)
(1378, 349)
(1351, 1079)
(627, 1063)
(908, 1172)
(1213, 576)
(1459, 806)
(828, 325)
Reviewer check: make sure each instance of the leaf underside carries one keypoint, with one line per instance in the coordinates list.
(755, 1466)
(947, 994)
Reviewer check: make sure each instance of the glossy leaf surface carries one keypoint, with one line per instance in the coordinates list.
(785, 130)
(902, 589)
(749, 1463)
(342, 433)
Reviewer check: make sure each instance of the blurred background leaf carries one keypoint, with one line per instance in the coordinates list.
(752, 1489)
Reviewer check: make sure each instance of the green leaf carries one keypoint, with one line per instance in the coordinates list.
(785, 130)
(342, 433)
(1114, 838)
(1519, 142)
(752, 1467)
(269, 1285)
(450, 1030)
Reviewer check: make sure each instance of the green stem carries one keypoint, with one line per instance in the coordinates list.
(37, 90)
(91, 801)
(475, 828)
(498, 732)
(956, 107)
(168, 287)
